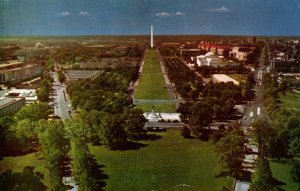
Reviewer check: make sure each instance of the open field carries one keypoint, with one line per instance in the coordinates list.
(238, 77)
(290, 101)
(158, 107)
(281, 171)
(164, 164)
(17, 164)
(152, 83)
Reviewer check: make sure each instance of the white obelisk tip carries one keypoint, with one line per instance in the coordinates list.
(151, 42)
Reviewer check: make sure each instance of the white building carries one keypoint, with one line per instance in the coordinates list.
(29, 95)
(240, 53)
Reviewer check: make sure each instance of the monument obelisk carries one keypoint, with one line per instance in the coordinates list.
(151, 39)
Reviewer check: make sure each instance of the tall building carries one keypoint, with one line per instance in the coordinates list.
(17, 71)
(151, 38)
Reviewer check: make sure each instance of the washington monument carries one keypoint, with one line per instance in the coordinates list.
(151, 41)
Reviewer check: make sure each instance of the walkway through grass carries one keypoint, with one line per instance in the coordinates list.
(169, 163)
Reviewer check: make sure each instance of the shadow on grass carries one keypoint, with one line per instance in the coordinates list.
(130, 145)
(278, 183)
(15, 153)
(26, 180)
(149, 137)
(99, 175)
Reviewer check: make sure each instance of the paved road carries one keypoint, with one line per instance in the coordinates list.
(61, 102)
(253, 111)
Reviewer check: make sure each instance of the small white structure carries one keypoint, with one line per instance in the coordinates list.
(155, 117)
(224, 78)
(152, 116)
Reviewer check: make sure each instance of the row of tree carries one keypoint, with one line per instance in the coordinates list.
(45, 87)
(187, 83)
(217, 102)
(278, 139)
(208, 70)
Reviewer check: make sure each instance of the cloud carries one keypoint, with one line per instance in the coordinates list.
(64, 14)
(163, 14)
(222, 9)
(178, 13)
(83, 13)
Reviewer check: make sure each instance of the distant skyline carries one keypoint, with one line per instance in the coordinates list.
(134, 17)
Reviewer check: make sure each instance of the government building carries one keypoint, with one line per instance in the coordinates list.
(15, 71)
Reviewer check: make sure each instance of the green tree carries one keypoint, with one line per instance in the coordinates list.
(112, 131)
(262, 176)
(61, 76)
(43, 94)
(185, 132)
(5, 123)
(295, 172)
(134, 122)
(34, 112)
(263, 133)
(82, 164)
(55, 147)
(230, 152)
(200, 118)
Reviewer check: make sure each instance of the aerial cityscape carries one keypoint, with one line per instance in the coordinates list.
(149, 95)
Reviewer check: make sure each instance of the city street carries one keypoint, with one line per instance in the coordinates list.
(61, 103)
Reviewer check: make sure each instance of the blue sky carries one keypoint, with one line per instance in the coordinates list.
(128, 17)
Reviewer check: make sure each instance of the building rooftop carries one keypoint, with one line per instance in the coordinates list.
(11, 63)
(22, 93)
(7, 100)
(82, 74)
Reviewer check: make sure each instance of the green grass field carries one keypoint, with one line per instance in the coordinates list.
(162, 165)
(238, 77)
(281, 171)
(291, 100)
(161, 107)
(17, 164)
(152, 83)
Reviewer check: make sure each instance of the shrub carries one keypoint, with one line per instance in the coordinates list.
(185, 132)
(295, 172)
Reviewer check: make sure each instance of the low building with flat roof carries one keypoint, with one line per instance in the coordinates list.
(29, 95)
(217, 78)
(285, 66)
(82, 74)
(9, 105)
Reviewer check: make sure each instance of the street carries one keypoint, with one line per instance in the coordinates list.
(61, 103)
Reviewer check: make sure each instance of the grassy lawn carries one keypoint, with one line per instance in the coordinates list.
(162, 165)
(281, 171)
(17, 164)
(152, 83)
(163, 108)
(291, 100)
(238, 77)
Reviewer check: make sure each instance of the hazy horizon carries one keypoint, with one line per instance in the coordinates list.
(134, 17)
